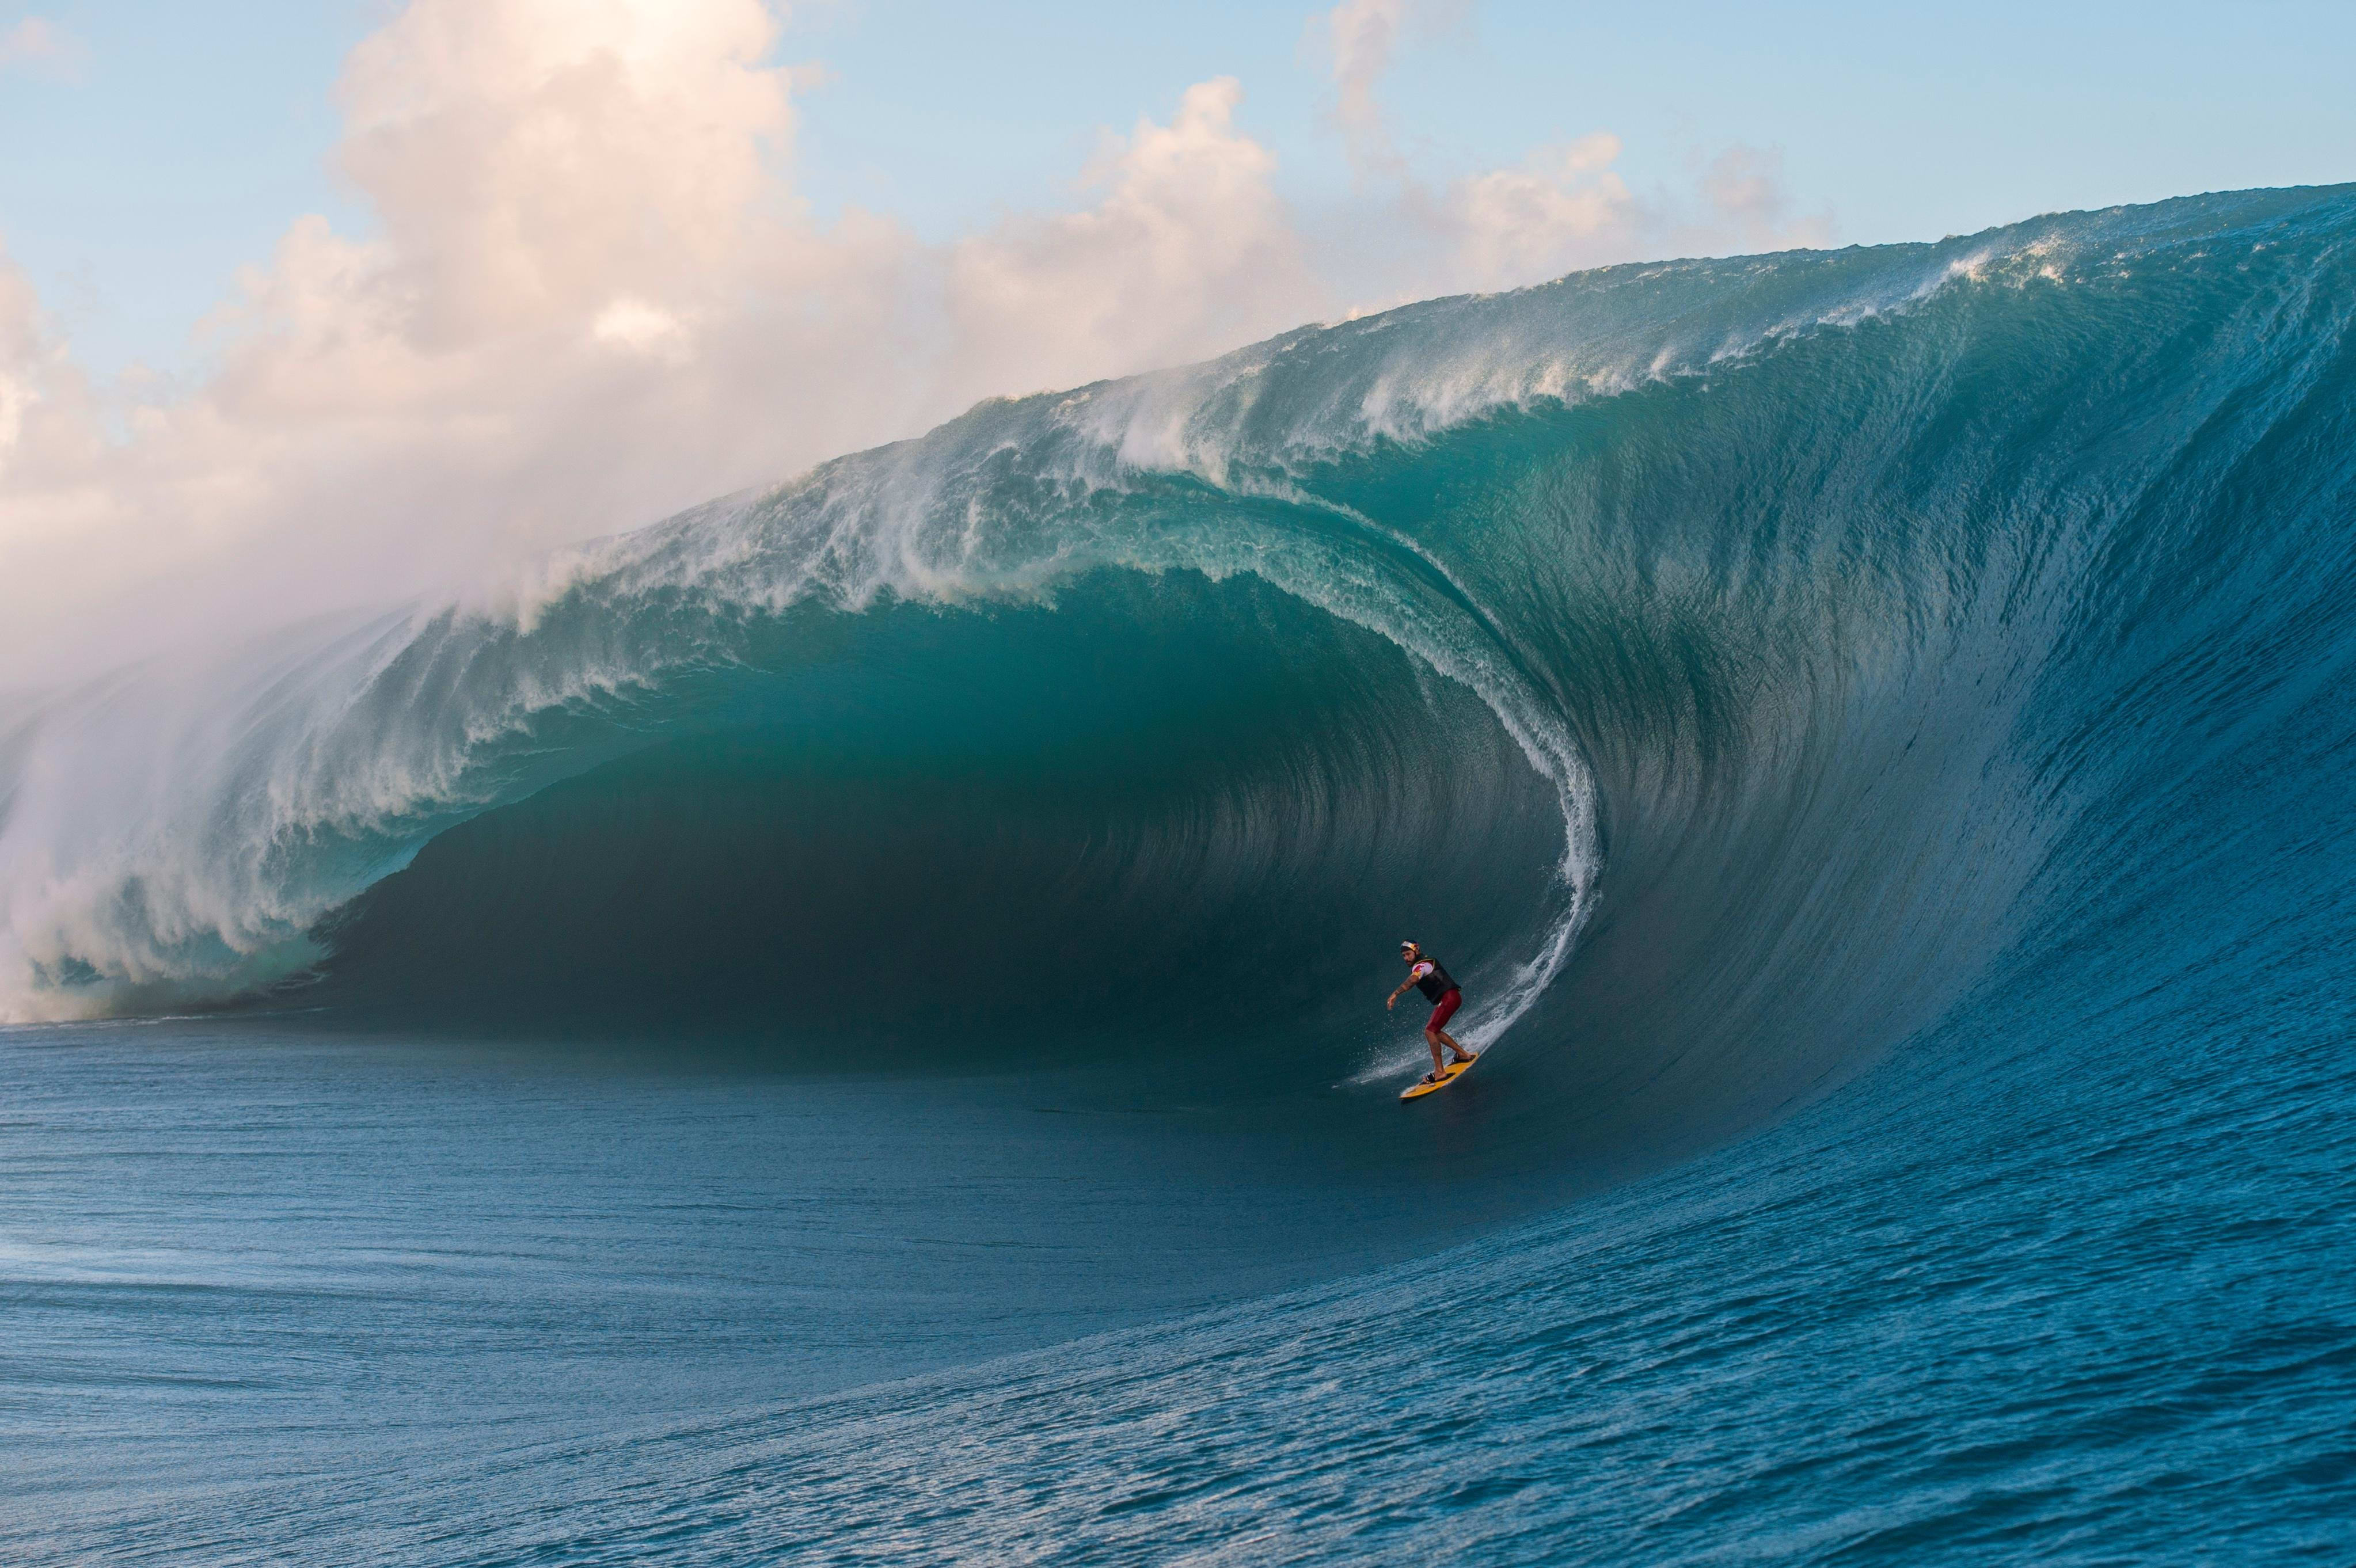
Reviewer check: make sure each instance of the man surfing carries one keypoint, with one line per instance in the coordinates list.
(1428, 975)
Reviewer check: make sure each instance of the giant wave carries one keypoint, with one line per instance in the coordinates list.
(1720, 662)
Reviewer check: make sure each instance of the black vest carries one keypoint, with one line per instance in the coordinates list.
(1437, 984)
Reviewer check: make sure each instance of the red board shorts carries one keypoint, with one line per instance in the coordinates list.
(1446, 1009)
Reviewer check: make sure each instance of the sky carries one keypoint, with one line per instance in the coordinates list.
(302, 302)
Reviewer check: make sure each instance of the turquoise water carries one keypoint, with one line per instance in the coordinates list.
(846, 1026)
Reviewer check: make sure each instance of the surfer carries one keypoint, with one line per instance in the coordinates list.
(1428, 975)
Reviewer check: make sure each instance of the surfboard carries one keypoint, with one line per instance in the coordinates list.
(1449, 1075)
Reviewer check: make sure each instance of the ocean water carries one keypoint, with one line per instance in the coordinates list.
(846, 1026)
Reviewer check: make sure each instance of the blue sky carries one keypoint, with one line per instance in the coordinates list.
(171, 144)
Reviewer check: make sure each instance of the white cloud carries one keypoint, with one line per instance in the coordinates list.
(530, 156)
(1188, 253)
(1563, 208)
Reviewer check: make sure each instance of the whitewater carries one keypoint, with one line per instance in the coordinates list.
(845, 1025)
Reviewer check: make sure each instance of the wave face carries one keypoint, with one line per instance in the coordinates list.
(1719, 663)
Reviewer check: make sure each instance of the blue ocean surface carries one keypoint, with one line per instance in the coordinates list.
(846, 1026)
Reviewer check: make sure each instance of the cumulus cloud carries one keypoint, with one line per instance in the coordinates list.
(1188, 251)
(592, 295)
(536, 159)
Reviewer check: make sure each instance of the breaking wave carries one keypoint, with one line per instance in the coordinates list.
(1719, 663)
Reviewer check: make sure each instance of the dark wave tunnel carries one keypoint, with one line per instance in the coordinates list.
(1164, 815)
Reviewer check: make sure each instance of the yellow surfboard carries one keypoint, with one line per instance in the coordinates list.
(1449, 1075)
